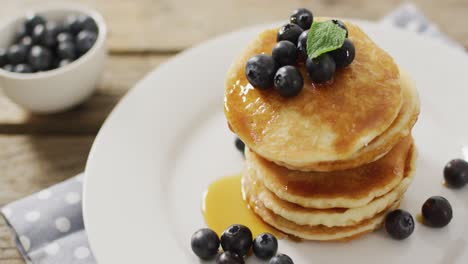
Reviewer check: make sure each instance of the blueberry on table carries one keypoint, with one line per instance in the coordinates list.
(240, 145)
(302, 17)
(229, 258)
(321, 69)
(284, 53)
(288, 81)
(205, 243)
(16, 54)
(32, 20)
(456, 173)
(65, 37)
(237, 239)
(8, 67)
(265, 246)
(289, 32)
(399, 224)
(3, 57)
(260, 71)
(85, 22)
(437, 211)
(85, 41)
(23, 68)
(40, 58)
(341, 25)
(302, 45)
(66, 50)
(344, 55)
(281, 259)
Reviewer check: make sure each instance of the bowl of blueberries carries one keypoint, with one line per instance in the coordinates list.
(51, 59)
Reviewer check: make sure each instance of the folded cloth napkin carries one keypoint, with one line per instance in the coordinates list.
(48, 225)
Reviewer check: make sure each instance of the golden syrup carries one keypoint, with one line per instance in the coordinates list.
(223, 205)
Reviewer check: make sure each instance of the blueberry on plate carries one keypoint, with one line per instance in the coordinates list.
(237, 239)
(289, 32)
(66, 50)
(437, 211)
(456, 173)
(205, 243)
(399, 224)
(40, 58)
(260, 71)
(265, 246)
(240, 145)
(288, 81)
(284, 53)
(85, 41)
(23, 68)
(3, 57)
(8, 67)
(229, 258)
(16, 54)
(302, 45)
(281, 259)
(302, 17)
(344, 55)
(341, 25)
(85, 22)
(321, 69)
(32, 20)
(65, 37)
(64, 62)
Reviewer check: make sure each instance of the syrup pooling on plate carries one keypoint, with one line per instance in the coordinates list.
(224, 205)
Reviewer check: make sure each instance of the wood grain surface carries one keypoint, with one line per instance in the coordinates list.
(38, 151)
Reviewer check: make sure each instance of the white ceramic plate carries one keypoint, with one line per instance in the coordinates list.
(168, 140)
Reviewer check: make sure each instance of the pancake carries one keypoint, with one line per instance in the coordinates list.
(381, 145)
(309, 232)
(327, 217)
(324, 123)
(343, 189)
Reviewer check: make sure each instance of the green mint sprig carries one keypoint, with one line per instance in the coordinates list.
(324, 37)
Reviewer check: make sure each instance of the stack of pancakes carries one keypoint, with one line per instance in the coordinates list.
(329, 163)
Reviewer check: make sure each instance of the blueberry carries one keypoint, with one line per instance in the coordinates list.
(237, 239)
(281, 259)
(85, 41)
(8, 67)
(302, 45)
(66, 50)
(32, 20)
(205, 243)
(86, 23)
(27, 42)
(65, 37)
(63, 63)
(229, 258)
(71, 24)
(399, 224)
(321, 69)
(240, 145)
(289, 32)
(20, 33)
(288, 81)
(16, 54)
(456, 173)
(23, 68)
(260, 71)
(341, 25)
(344, 55)
(40, 58)
(49, 35)
(265, 246)
(284, 53)
(302, 17)
(437, 211)
(3, 57)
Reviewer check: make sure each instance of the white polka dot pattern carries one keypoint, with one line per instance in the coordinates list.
(82, 253)
(52, 249)
(32, 216)
(62, 224)
(44, 195)
(73, 198)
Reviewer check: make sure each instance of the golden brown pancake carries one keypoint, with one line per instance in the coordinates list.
(327, 217)
(324, 123)
(344, 189)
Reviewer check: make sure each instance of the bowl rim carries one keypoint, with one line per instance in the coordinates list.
(70, 8)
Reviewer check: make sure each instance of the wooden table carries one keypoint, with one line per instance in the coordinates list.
(38, 151)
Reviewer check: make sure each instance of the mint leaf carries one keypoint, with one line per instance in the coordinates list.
(324, 37)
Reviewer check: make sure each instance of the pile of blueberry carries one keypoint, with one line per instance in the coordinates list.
(280, 70)
(41, 45)
(236, 242)
(436, 211)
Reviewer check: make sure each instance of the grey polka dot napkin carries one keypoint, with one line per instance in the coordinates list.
(48, 225)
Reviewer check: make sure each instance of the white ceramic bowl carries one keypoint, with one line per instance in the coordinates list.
(59, 89)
